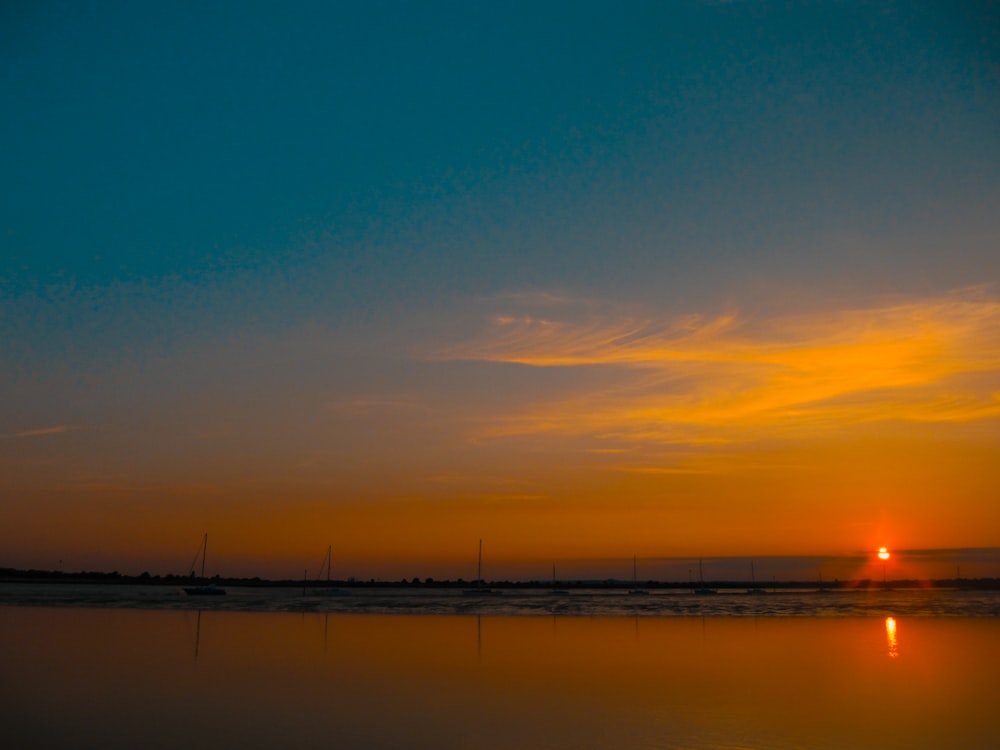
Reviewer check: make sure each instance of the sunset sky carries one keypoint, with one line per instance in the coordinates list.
(585, 280)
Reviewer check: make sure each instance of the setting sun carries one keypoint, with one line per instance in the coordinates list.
(612, 364)
(883, 553)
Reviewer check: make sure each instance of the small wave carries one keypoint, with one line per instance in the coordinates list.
(518, 602)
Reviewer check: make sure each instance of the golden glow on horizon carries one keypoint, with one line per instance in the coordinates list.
(883, 553)
(799, 435)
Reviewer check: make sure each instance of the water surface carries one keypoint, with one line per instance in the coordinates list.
(80, 677)
(579, 602)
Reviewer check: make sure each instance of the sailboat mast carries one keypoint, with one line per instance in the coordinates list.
(329, 552)
(203, 587)
(479, 565)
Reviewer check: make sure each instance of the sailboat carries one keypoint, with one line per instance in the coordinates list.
(635, 590)
(203, 589)
(329, 590)
(754, 588)
(822, 589)
(702, 588)
(480, 590)
(556, 591)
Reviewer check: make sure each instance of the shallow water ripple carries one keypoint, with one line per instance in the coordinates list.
(518, 602)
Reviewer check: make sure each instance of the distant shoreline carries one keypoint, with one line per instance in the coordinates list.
(15, 575)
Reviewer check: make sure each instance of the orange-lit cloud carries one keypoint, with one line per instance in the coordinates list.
(55, 430)
(717, 380)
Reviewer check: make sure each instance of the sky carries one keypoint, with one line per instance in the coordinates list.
(588, 281)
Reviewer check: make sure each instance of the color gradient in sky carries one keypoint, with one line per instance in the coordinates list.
(585, 280)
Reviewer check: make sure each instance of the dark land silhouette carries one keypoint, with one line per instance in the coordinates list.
(16, 575)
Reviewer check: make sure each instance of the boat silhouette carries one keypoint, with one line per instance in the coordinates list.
(328, 590)
(754, 588)
(702, 588)
(204, 588)
(635, 590)
(480, 588)
(556, 591)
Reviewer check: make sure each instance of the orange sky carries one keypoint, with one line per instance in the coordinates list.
(824, 433)
(680, 281)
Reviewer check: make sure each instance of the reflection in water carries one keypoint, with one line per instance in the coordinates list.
(265, 680)
(890, 636)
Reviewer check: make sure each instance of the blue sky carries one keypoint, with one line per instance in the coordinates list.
(145, 141)
(334, 159)
(241, 218)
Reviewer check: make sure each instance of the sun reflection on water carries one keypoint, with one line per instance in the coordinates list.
(890, 636)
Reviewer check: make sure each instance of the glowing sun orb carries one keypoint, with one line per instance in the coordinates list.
(883, 553)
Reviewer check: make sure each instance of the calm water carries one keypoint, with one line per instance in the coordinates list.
(114, 675)
(588, 602)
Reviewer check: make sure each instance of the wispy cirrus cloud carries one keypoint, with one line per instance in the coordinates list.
(718, 379)
(40, 431)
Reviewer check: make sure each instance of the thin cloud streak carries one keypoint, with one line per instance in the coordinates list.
(720, 379)
(54, 430)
